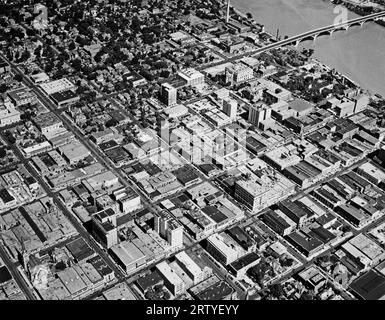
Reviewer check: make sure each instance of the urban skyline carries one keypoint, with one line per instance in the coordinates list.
(176, 150)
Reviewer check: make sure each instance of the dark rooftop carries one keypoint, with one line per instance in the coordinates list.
(63, 96)
(150, 280)
(241, 237)
(5, 276)
(306, 243)
(6, 196)
(218, 291)
(214, 214)
(80, 249)
(370, 286)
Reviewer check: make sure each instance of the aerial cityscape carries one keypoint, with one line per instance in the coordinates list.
(192, 150)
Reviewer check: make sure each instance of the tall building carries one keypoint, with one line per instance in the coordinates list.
(360, 103)
(260, 191)
(168, 94)
(161, 221)
(104, 227)
(174, 234)
(169, 228)
(127, 199)
(260, 116)
(230, 108)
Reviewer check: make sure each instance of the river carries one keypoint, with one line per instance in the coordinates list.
(358, 53)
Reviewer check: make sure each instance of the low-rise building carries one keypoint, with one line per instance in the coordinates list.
(74, 152)
(192, 77)
(22, 97)
(128, 256)
(47, 122)
(371, 172)
(64, 98)
(55, 86)
(279, 222)
(238, 73)
(8, 113)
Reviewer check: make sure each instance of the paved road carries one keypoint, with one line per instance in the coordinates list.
(16, 275)
(79, 135)
(79, 228)
(49, 192)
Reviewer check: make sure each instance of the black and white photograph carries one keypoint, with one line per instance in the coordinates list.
(192, 157)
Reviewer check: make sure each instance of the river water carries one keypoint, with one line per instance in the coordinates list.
(358, 53)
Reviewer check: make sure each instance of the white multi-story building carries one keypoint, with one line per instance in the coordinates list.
(259, 192)
(192, 76)
(169, 229)
(8, 113)
(221, 250)
(171, 279)
(168, 94)
(260, 115)
(127, 199)
(47, 122)
(193, 270)
(174, 234)
(238, 73)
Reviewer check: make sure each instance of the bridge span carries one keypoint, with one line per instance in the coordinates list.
(309, 35)
(328, 30)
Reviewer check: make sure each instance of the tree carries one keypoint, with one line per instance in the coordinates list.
(26, 55)
(72, 46)
(60, 266)
(18, 77)
(346, 228)
(10, 138)
(37, 51)
(3, 153)
(3, 88)
(308, 296)
(98, 57)
(111, 123)
(287, 262)
(31, 32)
(77, 64)
(150, 294)
(276, 290)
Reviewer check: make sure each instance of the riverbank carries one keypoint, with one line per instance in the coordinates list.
(361, 9)
(358, 53)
